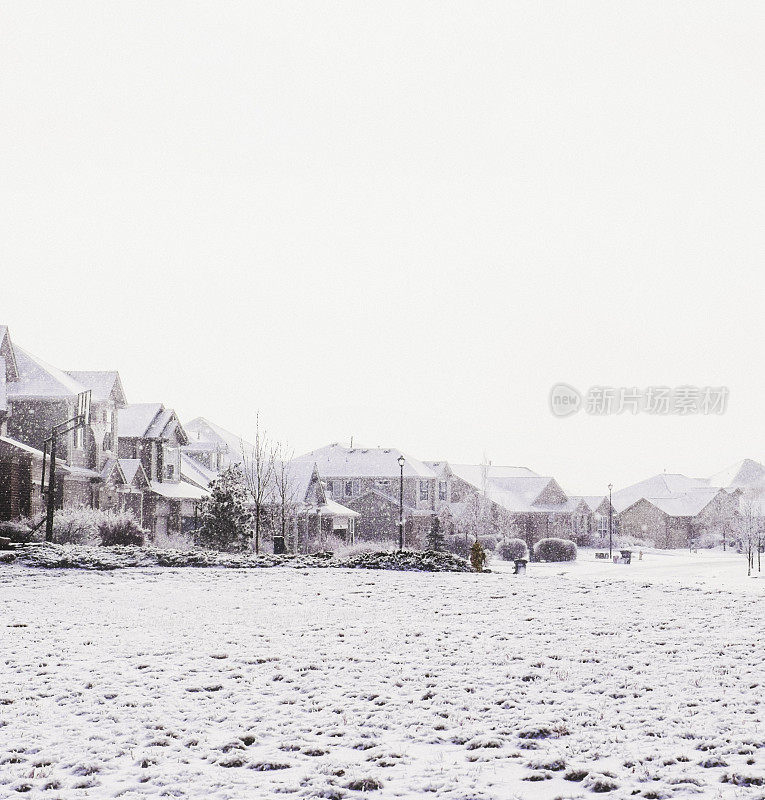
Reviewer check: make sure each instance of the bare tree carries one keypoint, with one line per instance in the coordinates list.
(286, 494)
(258, 469)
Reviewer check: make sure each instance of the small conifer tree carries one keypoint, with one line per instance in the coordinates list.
(226, 522)
(477, 556)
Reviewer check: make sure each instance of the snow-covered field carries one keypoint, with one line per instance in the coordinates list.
(642, 680)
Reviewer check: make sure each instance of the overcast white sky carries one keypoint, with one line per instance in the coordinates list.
(398, 221)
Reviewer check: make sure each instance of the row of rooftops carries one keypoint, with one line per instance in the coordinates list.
(517, 489)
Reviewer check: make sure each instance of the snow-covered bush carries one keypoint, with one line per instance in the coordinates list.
(120, 528)
(16, 530)
(328, 544)
(458, 545)
(77, 525)
(350, 550)
(555, 550)
(513, 549)
(490, 541)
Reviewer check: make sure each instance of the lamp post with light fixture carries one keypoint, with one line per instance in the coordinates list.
(610, 521)
(401, 504)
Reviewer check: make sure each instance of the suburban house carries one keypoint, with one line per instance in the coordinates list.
(153, 436)
(35, 396)
(212, 446)
(673, 510)
(314, 514)
(20, 464)
(520, 502)
(368, 481)
(599, 514)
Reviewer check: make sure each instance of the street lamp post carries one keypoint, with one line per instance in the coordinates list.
(610, 523)
(401, 504)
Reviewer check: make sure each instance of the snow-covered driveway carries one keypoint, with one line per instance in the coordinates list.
(323, 683)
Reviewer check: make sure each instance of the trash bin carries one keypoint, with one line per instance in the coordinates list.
(520, 566)
(626, 556)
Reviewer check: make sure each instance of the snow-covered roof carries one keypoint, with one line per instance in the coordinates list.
(658, 486)
(337, 461)
(337, 510)
(193, 472)
(687, 504)
(147, 421)
(742, 474)
(593, 501)
(101, 383)
(179, 491)
(110, 465)
(8, 354)
(81, 472)
(130, 467)
(200, 429)
(25, 448)
(134, 420)
(474, 473)
(8, 369)
(301, 475)
(38, 379)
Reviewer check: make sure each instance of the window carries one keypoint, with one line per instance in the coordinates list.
(331, 488)
(348, 488)
(356, 487)
(171, 463)
(442, 490)
(107, 441)
(383, 485)
(424, 490)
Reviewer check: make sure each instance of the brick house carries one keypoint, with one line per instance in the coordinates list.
(34, 397)
(674, 510)
(683, 520)
(520, 502)
(592, 527)
(368, 480)
(315, 516)
(153, 436)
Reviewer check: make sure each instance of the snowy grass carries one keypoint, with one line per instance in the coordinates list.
(338, 683)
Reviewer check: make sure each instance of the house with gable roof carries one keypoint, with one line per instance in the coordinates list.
(212, 446)
(368, 479)
(747, 475)
(673, 510)
(153, 436)
(314, 514)
(522, 502)
(35, 397)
